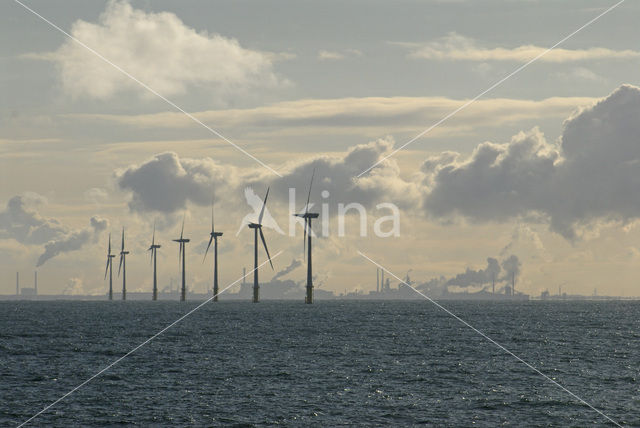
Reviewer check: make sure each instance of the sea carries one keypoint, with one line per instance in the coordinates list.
(330, 364)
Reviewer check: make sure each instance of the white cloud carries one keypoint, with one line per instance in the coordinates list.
(455, 47)
(159, 50)
(325, 55)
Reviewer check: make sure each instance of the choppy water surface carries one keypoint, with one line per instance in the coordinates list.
(328, 364)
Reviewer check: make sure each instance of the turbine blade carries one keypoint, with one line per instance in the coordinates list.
(264, 205)
(208, 246)
(107, 268)
(153, 239)
(151, 255)
(306, 207)
(212, 227)
(120, 265)
(109, 251)
(123, 239)
(182, 231)
(264, 243)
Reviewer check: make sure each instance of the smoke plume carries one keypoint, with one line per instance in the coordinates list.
(511, 266)
(293, 265)
(73, 241)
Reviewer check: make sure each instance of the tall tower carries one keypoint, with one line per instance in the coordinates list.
(377, 280)
(17, 283)
(35, 282)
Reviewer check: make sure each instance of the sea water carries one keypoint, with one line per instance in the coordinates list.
(332, 363)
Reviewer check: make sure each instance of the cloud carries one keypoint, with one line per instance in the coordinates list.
(324, 55)
(377, 113)
(166, 183)
(20, 221)
(455, 47)
(591, 176)
(73, 241)
(159, 50)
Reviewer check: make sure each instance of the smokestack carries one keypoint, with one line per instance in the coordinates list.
(35, 282)
(244, 275)
(382, 279)
(17, 283)
(493, 284)
(377, 280)
(513, 285)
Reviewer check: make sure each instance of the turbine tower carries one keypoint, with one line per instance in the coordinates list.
(109, 269)
(123, 266)
(154, 251)
(183, 242)
(213, 237)
(307, 216)
(257, 227)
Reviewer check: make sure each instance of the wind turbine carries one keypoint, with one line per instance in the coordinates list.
(123, 266)
(213, 237)
(307, 216)
(257, 227)
(154, 251)
(183, 250)
(109, 269)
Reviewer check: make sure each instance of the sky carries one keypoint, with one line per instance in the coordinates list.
(544, 166)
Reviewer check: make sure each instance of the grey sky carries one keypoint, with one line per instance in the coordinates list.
(324, 77)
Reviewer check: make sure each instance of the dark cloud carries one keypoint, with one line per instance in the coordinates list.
(592, 175)
(165, 183)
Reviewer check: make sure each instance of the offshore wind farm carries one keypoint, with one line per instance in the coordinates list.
(464, 177)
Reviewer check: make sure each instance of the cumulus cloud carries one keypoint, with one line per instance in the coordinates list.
(159, 50)
(21, 221)
(73, 241)
(591, 176)
(166, 183)
(456, 47)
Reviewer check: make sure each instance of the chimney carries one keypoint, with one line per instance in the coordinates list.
(35, 282)
(17, 283)
(378, 280)
(381, 279)
(513, 285)
(493, 284)
(244, 275)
